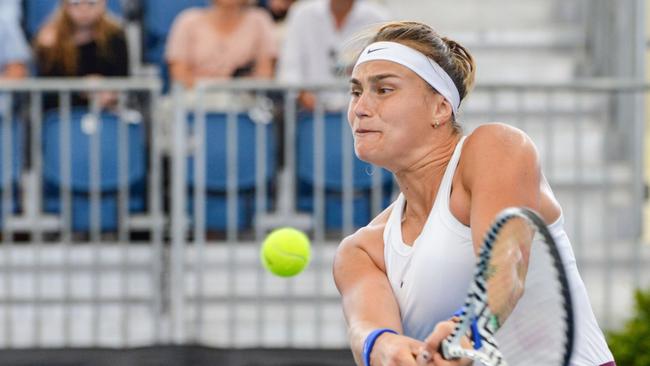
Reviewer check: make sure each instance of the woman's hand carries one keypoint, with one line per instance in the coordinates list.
(395, 350)
(430, 353)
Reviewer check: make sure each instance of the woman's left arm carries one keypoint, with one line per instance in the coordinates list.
(266, 49)
(501, 169)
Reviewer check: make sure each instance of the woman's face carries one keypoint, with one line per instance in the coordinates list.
(85, 13)
(391, 114)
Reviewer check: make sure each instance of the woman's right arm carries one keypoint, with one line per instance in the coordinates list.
(369, 304)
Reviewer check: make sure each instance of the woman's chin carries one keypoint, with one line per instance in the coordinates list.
(367, 155)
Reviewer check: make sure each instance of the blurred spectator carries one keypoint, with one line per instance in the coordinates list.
(82, 39)
(227, 39)
(278, 10)
(315, 33)
(14, 51)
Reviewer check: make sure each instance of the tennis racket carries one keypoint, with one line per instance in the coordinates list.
(518, 308)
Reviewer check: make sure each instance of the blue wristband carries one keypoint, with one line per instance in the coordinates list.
(370, 342)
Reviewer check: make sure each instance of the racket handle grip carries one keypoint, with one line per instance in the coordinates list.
(476, 338)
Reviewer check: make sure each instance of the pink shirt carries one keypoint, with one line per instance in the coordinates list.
(195, 40)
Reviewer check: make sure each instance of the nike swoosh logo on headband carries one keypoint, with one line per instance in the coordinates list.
(376, 49)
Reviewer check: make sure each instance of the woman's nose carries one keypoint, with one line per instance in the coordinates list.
(362, 108)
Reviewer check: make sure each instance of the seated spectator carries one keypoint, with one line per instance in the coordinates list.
(14, 51)
(315, 32)
(228, 39)
(278, 10)
(82, 39)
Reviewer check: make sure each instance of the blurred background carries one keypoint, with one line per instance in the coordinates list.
(147, 147)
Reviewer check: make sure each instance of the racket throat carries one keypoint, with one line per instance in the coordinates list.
(479, 328)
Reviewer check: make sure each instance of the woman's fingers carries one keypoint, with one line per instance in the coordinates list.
(397, 350)
(430, 352)
(440, 332)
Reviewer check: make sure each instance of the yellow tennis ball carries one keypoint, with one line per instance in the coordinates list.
(285, 252)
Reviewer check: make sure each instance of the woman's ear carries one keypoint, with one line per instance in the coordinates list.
(441, 112)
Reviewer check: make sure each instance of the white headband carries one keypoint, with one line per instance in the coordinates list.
(420, 64)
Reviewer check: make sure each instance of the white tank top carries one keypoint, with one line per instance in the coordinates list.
(428, 278)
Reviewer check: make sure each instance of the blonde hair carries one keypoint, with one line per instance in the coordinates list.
(449, 54)
(63, 51)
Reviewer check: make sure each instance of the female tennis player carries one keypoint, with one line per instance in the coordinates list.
(404, 274)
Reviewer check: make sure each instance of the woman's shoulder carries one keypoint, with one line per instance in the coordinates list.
(496, 145)
(258, 20)
(496, 136)
(494, 130)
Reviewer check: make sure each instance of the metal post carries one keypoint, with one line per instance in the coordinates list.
(178, 219)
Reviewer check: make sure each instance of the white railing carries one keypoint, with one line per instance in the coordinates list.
(243, 158)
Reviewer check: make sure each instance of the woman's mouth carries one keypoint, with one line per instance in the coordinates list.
(363, 131)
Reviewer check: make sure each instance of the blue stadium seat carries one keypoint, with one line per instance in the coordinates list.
(159, 16)
(36, 12)
(80, 184)
(217, 167)
(16, 139)
(362, 178)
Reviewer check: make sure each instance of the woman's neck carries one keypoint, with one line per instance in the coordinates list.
(227, 13)
(226, 18)
(420, 182)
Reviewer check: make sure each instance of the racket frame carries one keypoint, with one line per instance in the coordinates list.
(476, 314)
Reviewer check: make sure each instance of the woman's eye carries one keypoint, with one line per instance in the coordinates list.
(355, 93)
(384, 90)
